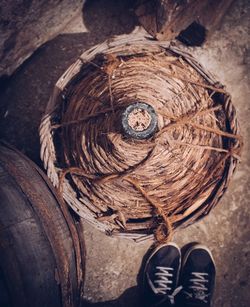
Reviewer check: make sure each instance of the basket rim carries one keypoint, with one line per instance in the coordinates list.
(48, 151)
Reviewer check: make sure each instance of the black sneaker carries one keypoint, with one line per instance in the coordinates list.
(197, 277)
(161, 276)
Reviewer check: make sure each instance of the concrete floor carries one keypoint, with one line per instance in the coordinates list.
(113, 264)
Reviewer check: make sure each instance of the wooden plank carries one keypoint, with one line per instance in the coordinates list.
(26, 260)
(165, 19)
(31, 213)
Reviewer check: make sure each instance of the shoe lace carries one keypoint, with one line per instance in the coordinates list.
(164, 281)
(198, 288)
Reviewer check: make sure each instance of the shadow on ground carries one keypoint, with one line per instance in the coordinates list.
(24, 96)
(130, 297)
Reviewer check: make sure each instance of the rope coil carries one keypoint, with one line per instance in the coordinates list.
(134, 187)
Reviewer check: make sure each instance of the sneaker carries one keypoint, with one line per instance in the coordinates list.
(197, 277)
(161, 276)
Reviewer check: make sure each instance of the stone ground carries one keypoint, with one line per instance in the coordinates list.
(113, 264)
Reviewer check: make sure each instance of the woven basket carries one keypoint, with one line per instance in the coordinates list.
(139, 188)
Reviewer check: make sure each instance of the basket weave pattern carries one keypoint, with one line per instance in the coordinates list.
(139, 188)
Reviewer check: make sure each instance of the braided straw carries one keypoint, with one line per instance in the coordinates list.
(139, 188)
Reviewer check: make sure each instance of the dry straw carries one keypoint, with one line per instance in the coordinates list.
(139, 188)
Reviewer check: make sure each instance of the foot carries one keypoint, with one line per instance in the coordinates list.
(197, 277)
(161, 276)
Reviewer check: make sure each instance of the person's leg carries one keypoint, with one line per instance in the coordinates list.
(161, 276)
(197, 277)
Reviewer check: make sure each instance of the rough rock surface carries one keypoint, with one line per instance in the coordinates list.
(25, 25)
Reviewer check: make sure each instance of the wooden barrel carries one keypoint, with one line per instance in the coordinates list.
(41, 246)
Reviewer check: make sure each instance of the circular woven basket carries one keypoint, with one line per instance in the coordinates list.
(139, 188)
